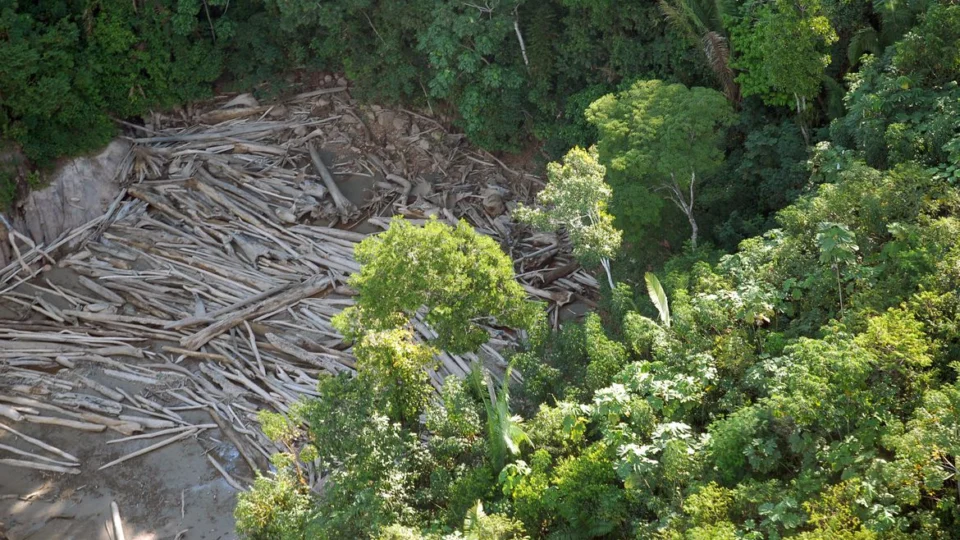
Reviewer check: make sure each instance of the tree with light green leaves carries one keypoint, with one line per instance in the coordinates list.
(659, 138)
(837, 245)
(461, 277)
(576, 199)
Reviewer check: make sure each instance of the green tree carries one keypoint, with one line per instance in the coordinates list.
(461, 277)
(659, 138)
(837, 245)
(576, 199)
(782, 49)
(396, 366)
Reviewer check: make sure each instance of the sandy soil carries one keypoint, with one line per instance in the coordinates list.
(163, 493)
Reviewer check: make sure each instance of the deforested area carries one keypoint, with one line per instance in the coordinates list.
(439, 270)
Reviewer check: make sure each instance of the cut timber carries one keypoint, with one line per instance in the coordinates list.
(344, 206)
(117, 524)
(41, 444)
(49, 420)
(39, 466)
(311, 287)
(150, 448)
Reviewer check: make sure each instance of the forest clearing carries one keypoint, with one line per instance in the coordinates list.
(505, 270)
(205, 294)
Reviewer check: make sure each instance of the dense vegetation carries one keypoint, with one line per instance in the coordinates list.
(769, 189)
(803, 385)
(72, 66)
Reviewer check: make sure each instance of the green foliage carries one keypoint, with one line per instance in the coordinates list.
(803, 386)
(576, 199)
(656, 135)
(478, 525)
(397, 369)
(930, 52)
(571, 363)
(459, 275)
(505, 432)
(375, 462)
(782, 49)
(277, 507)
(474, 60)
(658, 297)
(903, 105)
(67, 67)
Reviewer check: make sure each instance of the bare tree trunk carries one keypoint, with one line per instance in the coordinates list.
(523, 46)
(605, 262)
(801, 107)
(685, 203)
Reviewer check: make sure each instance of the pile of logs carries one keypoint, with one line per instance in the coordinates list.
(210, 283)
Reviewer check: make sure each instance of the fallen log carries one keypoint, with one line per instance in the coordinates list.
(344, 207)
(39, 466)
(306, 289)
(41, 444)
(49, 420)
(150, 448)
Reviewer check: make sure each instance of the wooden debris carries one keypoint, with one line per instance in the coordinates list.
(211, 281)
(150, 448)
(117, 523)
(39, 466)
(41, 444)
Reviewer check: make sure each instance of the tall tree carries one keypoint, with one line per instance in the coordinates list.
(576, 199)
(783, 48)
(701, 22)
(462, 278)
(659, 138)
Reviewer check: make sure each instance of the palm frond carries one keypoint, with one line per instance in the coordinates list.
(866, 40)
(717, 51)
(658, 297)
(678, 16)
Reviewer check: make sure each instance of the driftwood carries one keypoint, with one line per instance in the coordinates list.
(151, 423)
(41, 444)
(94, 385)
(228, 432)
(150, 448)
(307, 289)
(153, 434)
(344, 206)
(39, 466)
(226, 476)
(48, 420)
(35, 456)
(11, 413)
(117, 523)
